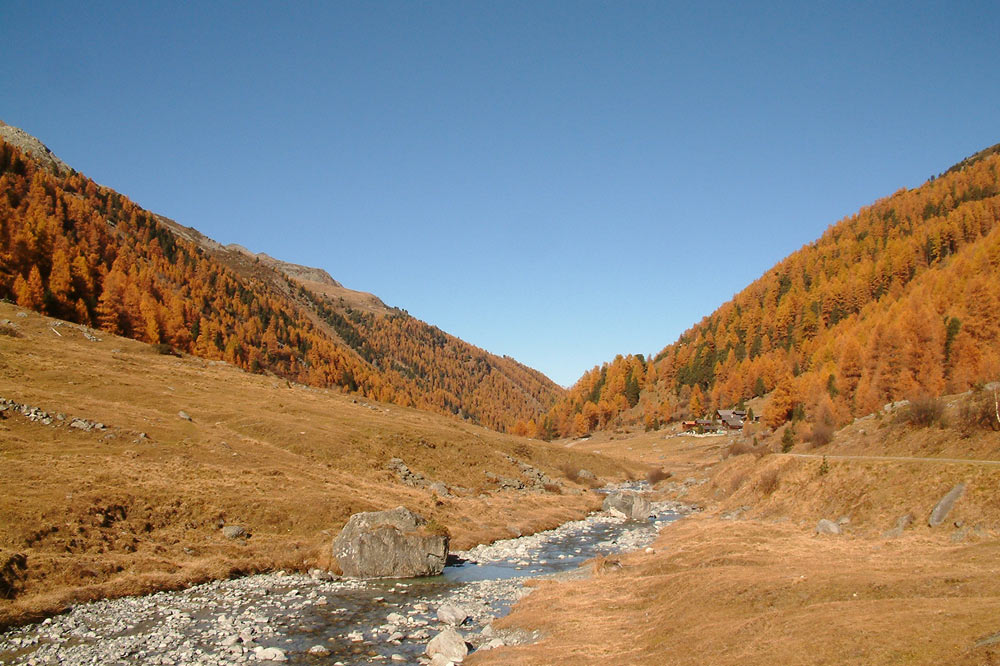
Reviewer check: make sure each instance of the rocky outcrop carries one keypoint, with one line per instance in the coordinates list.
(389, 544)
(632, 505)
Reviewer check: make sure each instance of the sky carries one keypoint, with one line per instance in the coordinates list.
(560, 182)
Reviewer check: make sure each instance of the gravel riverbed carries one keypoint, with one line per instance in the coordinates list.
(316, 619)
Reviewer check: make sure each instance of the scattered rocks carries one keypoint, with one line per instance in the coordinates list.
(945, 504)
(45, 418)
(239, 621)
(506, 482)
(405, 474)
(825, 526)
(389, 544)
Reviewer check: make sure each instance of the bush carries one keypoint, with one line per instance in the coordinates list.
(571, 472)
(821, 435)
(434, 527)
(978, 411)
(769, 481)
(656, 475)
(738, 448)
(165, 349)
(925, 411)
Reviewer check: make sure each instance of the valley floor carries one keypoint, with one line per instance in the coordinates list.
(749, 581)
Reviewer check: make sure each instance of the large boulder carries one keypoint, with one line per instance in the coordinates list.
(389, 544)
(633, 505)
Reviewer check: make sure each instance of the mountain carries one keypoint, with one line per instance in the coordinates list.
(900, 300)
(76, 250)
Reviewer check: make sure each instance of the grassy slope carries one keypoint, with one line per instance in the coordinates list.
(764, 589)
(106, 514)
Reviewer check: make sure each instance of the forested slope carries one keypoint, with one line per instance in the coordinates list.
(898, 300)
(82, 252)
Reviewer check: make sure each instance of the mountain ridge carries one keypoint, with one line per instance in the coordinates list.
(83, 252)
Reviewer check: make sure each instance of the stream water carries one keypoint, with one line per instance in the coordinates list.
(316, 621)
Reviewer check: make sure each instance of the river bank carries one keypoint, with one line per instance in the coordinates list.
(298, 618)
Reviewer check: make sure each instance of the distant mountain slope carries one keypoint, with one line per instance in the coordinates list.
(901, 299)
(74, 249)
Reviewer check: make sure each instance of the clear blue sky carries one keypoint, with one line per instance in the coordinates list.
(556, 181)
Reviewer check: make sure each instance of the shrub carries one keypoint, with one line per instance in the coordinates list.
(925, 411)
(571, 472)
(656, 475)
(165, 349)
(824, 467)
(738, 448)
(769, 481)
(522, 451)
(821, 434)
(978, 411)
(434, 527)
(553, 488)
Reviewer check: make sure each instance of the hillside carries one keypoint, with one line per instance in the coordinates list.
(185, 445)
(899, 300)
(73, 249)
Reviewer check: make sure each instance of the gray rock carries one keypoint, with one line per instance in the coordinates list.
(440, 489)
(405, 474)
(944, 506)
(493, 644)
(827, 527)
(452, 614)
(183, 415)
(389, 544)
(902, 523)
(234, 532)
(319, 651)
(634, 506)
(449, 644)
(269, 654)
(586, 474)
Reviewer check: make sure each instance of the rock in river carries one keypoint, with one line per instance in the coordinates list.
(449, 645)
(389, 544)
(633, 505)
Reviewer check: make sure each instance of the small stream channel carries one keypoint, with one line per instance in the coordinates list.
(341, 621)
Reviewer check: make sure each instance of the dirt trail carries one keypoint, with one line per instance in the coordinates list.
(956, 461)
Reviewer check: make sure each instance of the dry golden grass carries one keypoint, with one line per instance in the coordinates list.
(747, 592)
(114, 513)
(764, 589)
